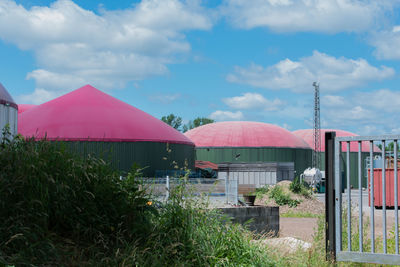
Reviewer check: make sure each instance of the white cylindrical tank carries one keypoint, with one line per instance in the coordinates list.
(8, 112)
(312, 176)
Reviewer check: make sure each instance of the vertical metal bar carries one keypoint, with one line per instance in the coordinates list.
(227, 189)
(348, 196)
(396, 203)
(360, 206)
(167, 187)
(371, 175)
(330, 240)
(338, 198)
(384, 196)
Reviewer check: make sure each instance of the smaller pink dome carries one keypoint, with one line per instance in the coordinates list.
(307, 136)
(244, 134)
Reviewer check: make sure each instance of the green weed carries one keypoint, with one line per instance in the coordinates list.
(300, 188)
(281, 198)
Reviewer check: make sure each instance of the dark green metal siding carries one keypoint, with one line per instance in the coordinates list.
(353, 167)
(153, 155)
(300, 157)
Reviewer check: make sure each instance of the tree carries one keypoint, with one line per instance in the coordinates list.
(389, 147)
(196, 123)
(173, 121)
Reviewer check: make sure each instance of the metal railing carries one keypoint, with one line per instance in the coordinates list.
(378, 178)
(221, 190)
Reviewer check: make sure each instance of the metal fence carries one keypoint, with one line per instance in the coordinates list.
(217, 190)
(383, 192)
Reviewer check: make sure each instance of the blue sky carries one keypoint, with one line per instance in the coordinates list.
(226, 60)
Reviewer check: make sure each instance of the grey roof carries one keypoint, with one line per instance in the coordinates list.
(5, 98)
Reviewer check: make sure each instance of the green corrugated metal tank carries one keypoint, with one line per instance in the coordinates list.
(244, 141)
(307, 136)
(92, 122)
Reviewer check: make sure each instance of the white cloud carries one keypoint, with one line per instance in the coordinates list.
(221, 115)
(374, 112)
(39, 96)
(328, 16)
(332, 101)
(252, 101)
(333, 73)
(108, 49)
(387, 43)
(380, 100)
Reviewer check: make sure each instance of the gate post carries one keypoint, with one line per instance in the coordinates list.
(330, 233)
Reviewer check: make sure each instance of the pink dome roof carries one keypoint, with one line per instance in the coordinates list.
(24, 107)
(307, 136)
(88, 114)
(244, 134)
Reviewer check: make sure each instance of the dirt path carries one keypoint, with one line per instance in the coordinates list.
(304, 228)
(301, 228)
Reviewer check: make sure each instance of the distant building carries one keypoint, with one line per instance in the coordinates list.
(244, 141)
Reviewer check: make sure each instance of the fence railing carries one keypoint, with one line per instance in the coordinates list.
(383, 193)
(221, 190)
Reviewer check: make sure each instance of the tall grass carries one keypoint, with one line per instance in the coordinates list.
(58, 209)
(55, 205)
(186, 233)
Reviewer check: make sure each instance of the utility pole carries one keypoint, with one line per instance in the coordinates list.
(316, 156)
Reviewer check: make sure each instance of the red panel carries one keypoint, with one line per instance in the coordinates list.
(389, 174)
(89, 114)
(244, 134)
(307, 136)
(200, 164)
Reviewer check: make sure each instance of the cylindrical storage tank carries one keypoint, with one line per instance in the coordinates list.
(245, 141)
(90, 121)
(307, 136)
(8, 112)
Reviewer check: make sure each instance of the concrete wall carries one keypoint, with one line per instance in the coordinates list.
(265, 219)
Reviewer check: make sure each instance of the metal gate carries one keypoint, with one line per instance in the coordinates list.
(366, 220)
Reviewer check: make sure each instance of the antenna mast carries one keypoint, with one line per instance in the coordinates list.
(316, 156)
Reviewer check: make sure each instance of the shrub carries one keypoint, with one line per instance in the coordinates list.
(53, 202)
(58, 209)
(300, 188)
(262, 191)
(187, 233)
(281, 198)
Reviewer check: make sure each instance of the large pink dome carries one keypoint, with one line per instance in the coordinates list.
(88, 114)
(307, 136)
(244, 134)
(24, 107)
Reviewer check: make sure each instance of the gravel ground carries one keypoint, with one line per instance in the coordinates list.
(307, 204)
